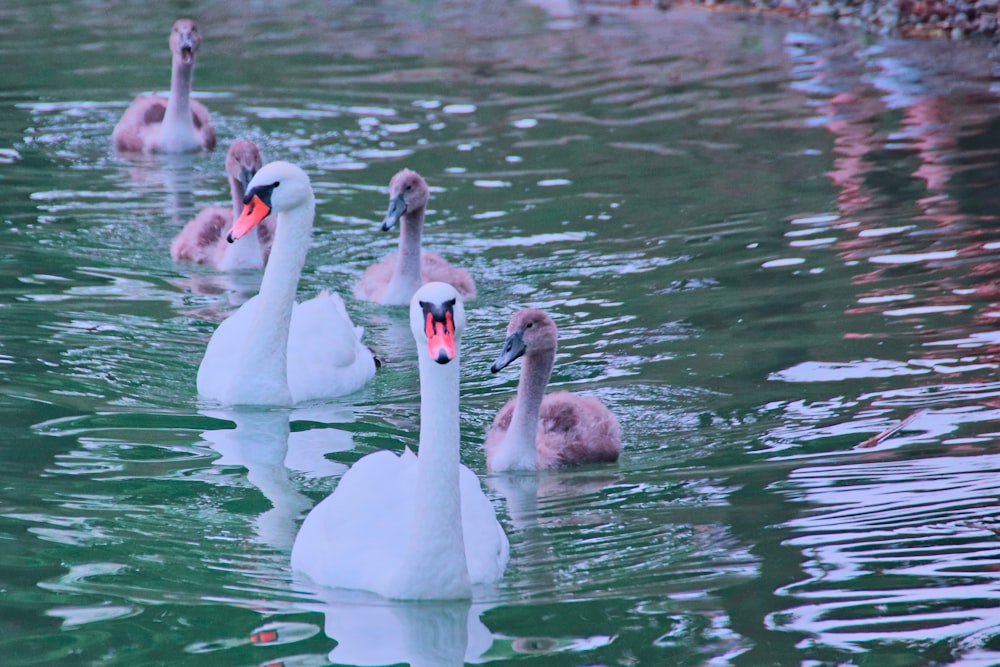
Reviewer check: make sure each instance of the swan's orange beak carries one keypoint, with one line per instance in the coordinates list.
(254, 211)
(440, 337)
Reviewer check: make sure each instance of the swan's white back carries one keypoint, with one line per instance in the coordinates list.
(325, 354)
(354, 537)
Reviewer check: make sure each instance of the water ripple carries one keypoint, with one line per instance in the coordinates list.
(895, 551)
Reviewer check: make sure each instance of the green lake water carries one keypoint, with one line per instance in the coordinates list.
(762, 245)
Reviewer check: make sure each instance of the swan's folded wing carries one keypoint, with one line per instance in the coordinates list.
(487, 549)
(200, 238)
(325, 356)
(575, 429)
(354, 537)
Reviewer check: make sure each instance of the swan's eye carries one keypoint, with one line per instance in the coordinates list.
(409, 187)
(530, 324)
(276, 184)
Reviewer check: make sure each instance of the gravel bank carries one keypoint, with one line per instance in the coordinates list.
(934, 19)
(949, 19)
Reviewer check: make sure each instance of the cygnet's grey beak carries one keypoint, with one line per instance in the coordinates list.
(513, 348)
(397, 207)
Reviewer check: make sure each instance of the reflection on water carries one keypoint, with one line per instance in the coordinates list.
(897, 551)
(763, 247)
(937, 262)
(263, 443)
(382, 633)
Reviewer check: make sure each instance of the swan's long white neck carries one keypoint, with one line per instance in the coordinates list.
(406, 278)
(519, 450)
(263, 363)
(434, 565)
(244, 252)
(177, 131)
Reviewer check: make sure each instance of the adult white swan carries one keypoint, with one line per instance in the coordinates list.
(175, 125)
(204, 238)
(411, 527)
(274, 351)
(395, 278)
(538, 432)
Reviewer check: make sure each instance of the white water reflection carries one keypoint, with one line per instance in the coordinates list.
(949, 414)
(831, 371)
(234, 288)
(372, 631)
(265, 445)
(896, 551)
(527, 495)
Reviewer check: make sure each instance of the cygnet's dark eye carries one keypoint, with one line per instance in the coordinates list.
(530, 324)
(408, 188)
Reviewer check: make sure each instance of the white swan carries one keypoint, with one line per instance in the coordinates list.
(178, 124)
(204, 238)
(411, 527)
(274, 351)
(395, 278)
(538, 432)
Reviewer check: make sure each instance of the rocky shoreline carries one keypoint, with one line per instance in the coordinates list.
(931, 19)
(949, 19)
(934, 19)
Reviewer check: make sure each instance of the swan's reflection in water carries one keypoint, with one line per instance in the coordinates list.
(531, 497)
(264, 443)
(176, 175)
(540, 504)
(373, 631)
(233, 289)
(521, 492)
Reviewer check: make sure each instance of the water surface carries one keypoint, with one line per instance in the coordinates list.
(762, 247)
